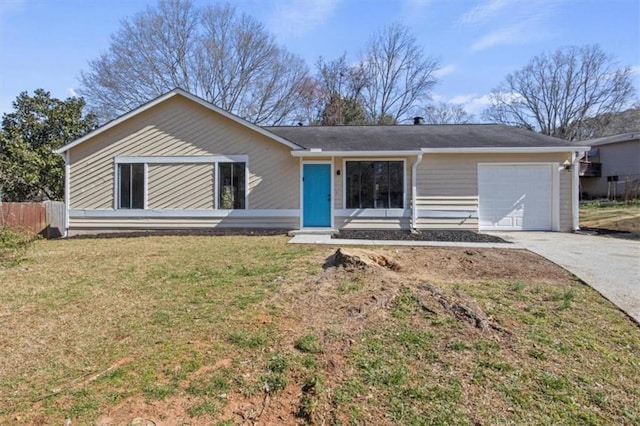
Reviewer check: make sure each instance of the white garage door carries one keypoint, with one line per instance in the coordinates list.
(515, 197)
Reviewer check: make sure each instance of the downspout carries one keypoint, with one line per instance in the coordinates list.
(575, 191)
(67, 191)
(414, 192)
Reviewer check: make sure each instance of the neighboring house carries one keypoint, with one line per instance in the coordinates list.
(179, 162)
(612, 167)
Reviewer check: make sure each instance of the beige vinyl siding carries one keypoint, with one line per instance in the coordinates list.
(103, 225)
(372, 223)
(180, 186)
(447, 223)
(566, 206)
(450, 182)
(179, 127)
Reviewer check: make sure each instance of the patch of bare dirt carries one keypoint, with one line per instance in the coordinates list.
(135, 410)
(355, 292)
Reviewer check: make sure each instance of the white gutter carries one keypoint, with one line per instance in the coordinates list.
(67, 190)
(414, 191)
(506, 150)
(575, 190)
(320, 153)
(462, 150)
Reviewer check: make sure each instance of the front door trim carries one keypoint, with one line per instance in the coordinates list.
(331, 173)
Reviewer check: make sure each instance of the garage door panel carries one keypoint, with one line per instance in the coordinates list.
(515, 197)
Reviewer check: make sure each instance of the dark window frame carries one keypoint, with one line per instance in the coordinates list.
(131, 186)
(374, 184)
(232, 185)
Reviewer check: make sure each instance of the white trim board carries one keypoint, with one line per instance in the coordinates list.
(314, 152)
(506, 150)
(187, 213)
(373, 213)
(319, 153)
(185, 159)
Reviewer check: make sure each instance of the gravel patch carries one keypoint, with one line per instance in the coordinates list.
(453, 236)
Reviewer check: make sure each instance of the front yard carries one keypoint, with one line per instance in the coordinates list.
(232, 330)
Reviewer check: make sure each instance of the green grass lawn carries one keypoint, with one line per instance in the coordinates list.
(226, 329)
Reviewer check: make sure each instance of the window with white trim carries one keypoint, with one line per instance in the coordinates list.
(374, 184)
(131, 186)
(232, 183)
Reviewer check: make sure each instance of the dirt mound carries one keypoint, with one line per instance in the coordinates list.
(360, 259)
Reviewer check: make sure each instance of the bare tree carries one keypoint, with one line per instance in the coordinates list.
(398, 75)
(611, 123)
(214, 52)
(446, 113)
(341, 88)
(555, 93)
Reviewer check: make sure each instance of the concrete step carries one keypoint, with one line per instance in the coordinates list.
(313, 231)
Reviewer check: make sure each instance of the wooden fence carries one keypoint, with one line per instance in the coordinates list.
(45, 218)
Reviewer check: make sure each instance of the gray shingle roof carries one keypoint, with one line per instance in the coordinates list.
(407, 137)
(623, 137)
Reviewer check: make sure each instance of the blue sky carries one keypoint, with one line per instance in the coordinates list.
(46, 43)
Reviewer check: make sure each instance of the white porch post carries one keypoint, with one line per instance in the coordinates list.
(67, 191)
(575, 190)
(414, 191)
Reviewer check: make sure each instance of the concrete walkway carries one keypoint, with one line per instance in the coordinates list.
(326, 239)
(609, 265)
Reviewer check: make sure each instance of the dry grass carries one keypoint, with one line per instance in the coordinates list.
(619, 217)
(202, 330)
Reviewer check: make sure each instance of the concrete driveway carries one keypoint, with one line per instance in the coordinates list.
(609, 265)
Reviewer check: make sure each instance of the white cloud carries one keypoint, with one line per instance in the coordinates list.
(296, 18)
(444, 71)
(73, 92)
(471, 102)
(521, 33)
(485, 11)
(635, 69)
(511, 22)
(415, 5)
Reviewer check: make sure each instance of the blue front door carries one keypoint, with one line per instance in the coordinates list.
(316, 179)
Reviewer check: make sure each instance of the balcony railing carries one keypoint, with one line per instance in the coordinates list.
(589, 169)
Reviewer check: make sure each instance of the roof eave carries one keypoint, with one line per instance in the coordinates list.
(165, 97)
(463, 150)
(380, 153)
(506, 150)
